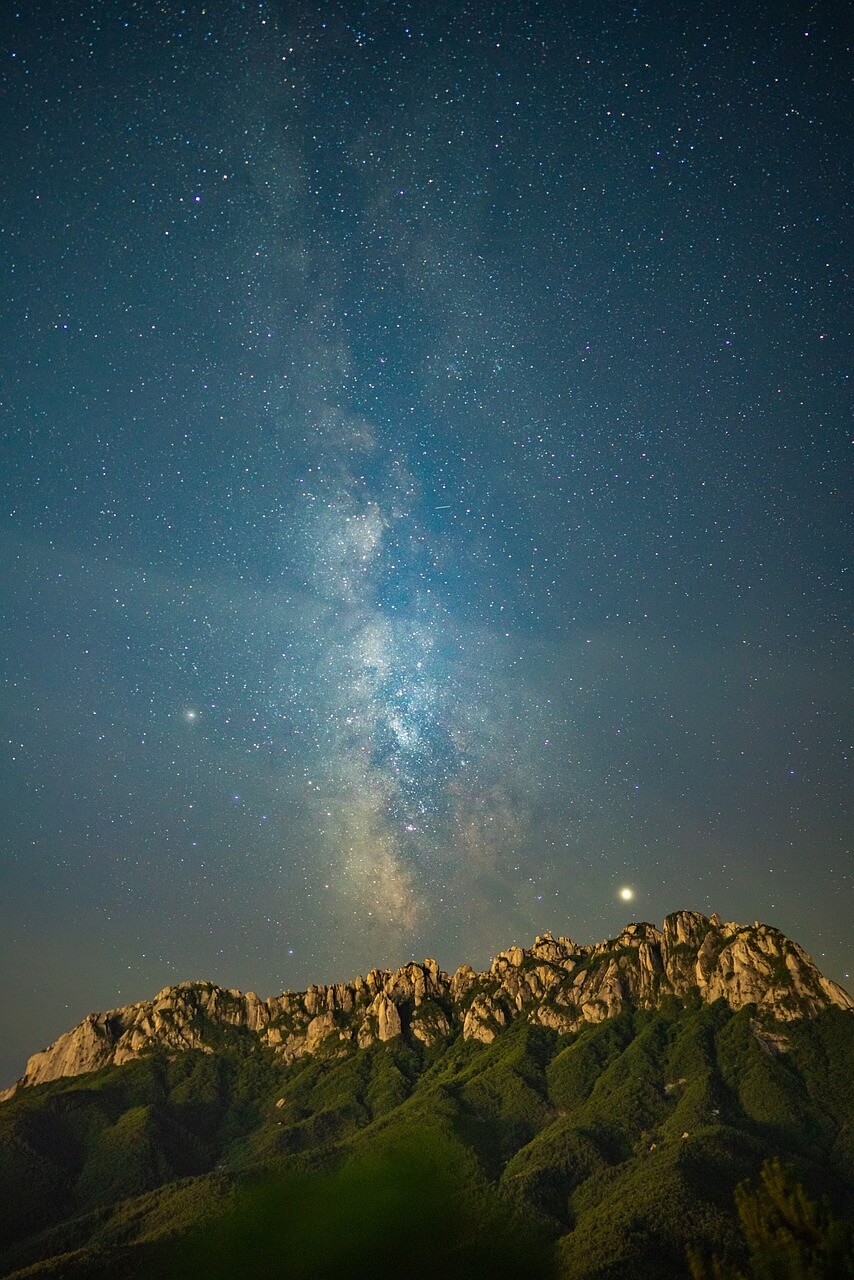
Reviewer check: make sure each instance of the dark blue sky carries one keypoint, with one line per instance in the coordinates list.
(425, 491)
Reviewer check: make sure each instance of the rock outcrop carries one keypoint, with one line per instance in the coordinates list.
(556, 983)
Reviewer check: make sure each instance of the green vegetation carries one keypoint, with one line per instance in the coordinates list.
(788, 1235)
(589, 1156)
(415, 1208)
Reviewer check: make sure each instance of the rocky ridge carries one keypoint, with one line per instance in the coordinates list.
(556, 983)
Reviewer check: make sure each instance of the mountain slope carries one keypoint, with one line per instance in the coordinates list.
(617, 1145)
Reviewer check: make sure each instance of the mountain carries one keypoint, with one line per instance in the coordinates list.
(556, 983)
(579, 1111)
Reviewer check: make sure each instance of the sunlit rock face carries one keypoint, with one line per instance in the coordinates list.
(557, 983)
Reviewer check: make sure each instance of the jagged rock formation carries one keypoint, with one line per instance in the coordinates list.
(556, 983)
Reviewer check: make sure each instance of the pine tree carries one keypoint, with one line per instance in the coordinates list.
(788, 1235)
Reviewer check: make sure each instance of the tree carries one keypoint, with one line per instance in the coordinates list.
(788, 1235)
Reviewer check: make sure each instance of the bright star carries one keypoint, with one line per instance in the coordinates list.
(626, 894)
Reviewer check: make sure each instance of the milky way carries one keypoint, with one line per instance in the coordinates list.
(400, 710)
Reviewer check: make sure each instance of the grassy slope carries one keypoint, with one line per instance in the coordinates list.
(580, 1137)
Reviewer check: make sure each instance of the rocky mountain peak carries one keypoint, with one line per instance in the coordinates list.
(556, 983)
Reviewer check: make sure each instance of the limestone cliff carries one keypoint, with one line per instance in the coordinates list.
(556, 983)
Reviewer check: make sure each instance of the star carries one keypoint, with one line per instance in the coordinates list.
(462, 513)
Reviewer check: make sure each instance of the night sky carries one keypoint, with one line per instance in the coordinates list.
(425, 492)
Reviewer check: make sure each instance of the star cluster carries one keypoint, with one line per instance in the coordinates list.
(424, 519)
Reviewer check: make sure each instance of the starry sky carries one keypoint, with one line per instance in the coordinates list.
(424, 485)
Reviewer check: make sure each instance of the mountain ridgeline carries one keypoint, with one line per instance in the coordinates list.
(556, 983)
(577, 1112)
